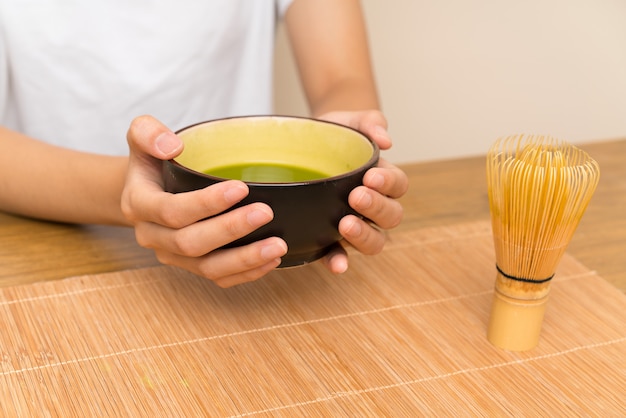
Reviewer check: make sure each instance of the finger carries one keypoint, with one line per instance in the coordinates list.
(202, 237)
(370, 122)
(387, 179)
(182, 209)
(149, 142)
(147, 136)
(228, 267)
(374, 125)
(248, 276)
(385, 212)
(362, 235)
(336, 261)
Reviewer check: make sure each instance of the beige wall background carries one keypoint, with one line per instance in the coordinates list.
(455, 75)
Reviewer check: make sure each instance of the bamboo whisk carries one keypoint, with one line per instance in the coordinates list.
(539, 188)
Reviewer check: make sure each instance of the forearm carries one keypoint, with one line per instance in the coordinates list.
(48, 182)
(330, 45)
(348, 94)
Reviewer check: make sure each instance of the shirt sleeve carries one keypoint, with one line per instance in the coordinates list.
(7, 113)
(4, 79)
(282, 6)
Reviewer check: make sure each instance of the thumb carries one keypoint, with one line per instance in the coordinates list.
(147, 136)
(374, 124)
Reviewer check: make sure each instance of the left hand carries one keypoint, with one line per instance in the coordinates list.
(376, 199)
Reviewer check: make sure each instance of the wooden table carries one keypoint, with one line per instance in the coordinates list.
(441, 193)
(400, 334)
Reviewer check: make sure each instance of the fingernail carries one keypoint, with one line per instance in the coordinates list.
(340, 265)
(384, 141)
(376, 180)
(235, 193)
(381, 131)
(354, 230)
(259, 217)
(273, 250)
(168, 143)
(365, 201)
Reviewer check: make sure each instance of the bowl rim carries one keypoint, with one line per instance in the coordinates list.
(371, 162)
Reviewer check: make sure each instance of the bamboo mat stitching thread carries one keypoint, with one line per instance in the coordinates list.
(79, 292)
(258, 330)
(159, 279)
(98, 288)
(431, 241)
(338, 395)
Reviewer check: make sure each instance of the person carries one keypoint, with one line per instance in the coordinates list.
(90, 94)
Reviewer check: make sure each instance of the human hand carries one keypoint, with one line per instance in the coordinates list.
(376, 199)
(176, 227)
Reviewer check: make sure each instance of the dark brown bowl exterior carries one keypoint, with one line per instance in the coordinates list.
(306, 215)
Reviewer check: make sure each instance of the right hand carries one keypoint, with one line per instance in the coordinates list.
(175, 225)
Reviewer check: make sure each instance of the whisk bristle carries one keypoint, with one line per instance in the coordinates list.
(539, 188)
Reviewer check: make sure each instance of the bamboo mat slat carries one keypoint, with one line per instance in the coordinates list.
(400, 334)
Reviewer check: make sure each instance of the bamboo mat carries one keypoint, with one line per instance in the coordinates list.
(400, 334)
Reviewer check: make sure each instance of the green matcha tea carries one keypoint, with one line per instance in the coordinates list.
(266, 173)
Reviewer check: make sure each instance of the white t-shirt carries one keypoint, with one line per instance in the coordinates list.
(75, 73)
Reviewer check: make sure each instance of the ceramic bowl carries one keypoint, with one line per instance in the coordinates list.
(303, 168)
